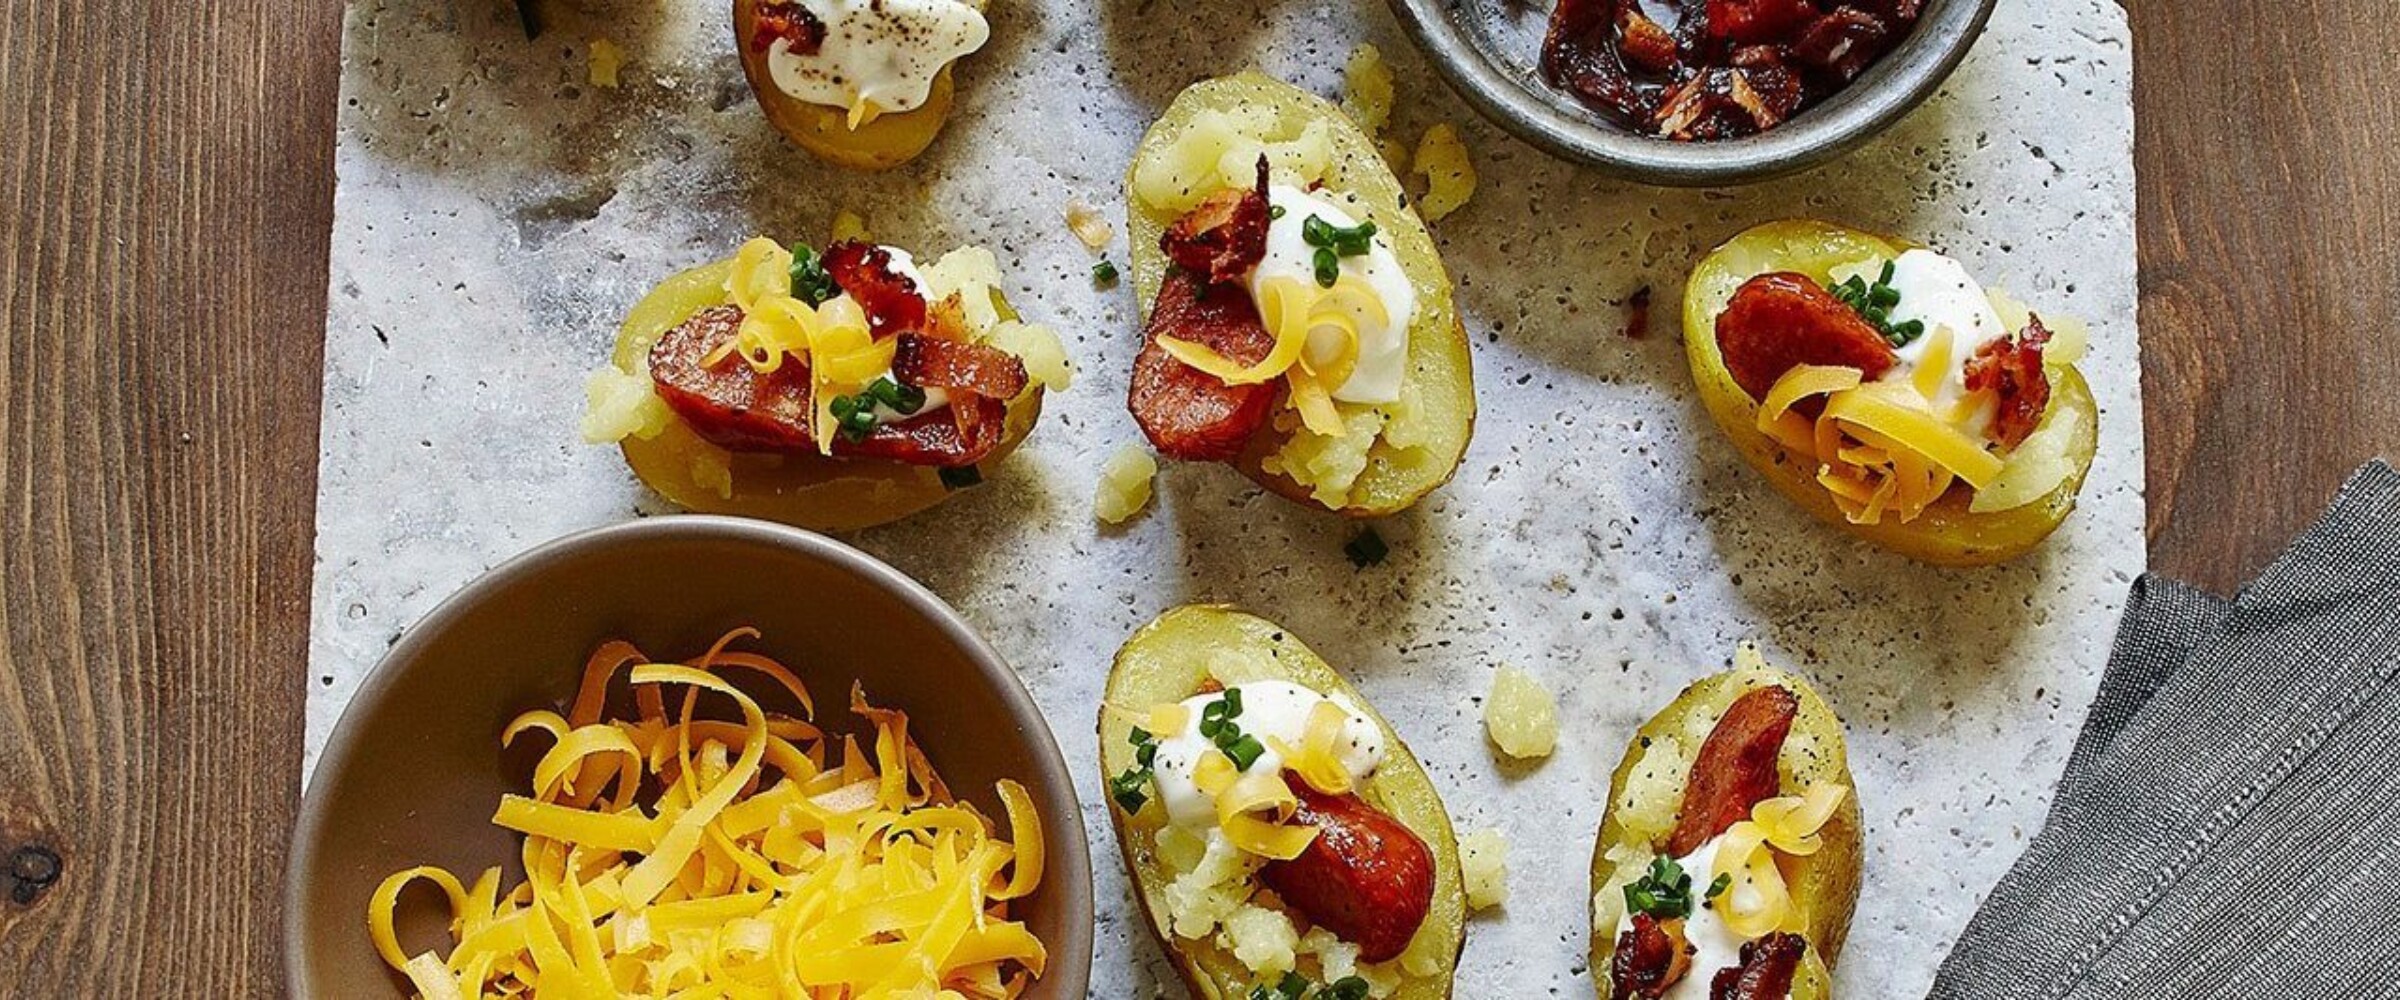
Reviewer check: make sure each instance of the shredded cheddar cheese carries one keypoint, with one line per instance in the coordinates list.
(1316, 344)
(1757, 901)
(672, 855)
(1881, 448)
(843, 355)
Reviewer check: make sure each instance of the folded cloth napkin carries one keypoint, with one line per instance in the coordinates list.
(2229, 821)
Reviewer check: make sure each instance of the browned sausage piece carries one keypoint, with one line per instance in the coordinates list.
(1366, 877)
(1188, 413)
(1735, 768)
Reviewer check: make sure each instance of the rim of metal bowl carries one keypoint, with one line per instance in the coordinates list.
(1073, 959)
(1514, 96)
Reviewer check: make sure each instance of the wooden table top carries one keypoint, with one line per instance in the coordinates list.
(168, 203)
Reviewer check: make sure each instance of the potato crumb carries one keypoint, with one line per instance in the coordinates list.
(848, 226)
(1038, 346)
(619, 404)
(1125, 484)
(1367, 86)
(1089, 226)
(1449, 173)
(606, 59)
(1483, 860)
(1521, 715)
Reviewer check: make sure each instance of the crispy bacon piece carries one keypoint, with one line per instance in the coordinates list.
(788, 22)
(2011, 369)
(1651, 957)
(734, 407)
(933, 363)
(1188, 413)
(1780, 320)
(1757, 22)
(1767, 968)
(1645, 44)
(1366, 877)
(1225, 236)
(889, 298)
(1580, 55)
(1843, 43)
(1735, 768)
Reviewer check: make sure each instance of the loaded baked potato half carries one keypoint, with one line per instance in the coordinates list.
(1279, 834)
(1300, 322)
(832, 391)
(1880, 387)
(1728, 859)
(860, 83)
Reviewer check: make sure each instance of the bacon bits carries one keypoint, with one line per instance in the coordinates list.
(1188, 413)
(1780, 320)
(1366, 877)
(890, 299)
(1735, 768)
(734, 407)
(1698, 70)
(1225, 236)
(790, 23)
(932, 363)
(2011, 369)
(1651, 957)
(1767, 968)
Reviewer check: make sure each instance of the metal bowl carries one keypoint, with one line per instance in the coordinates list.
(414, 769)
(1490, 51)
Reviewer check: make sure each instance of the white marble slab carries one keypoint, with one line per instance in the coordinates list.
(496, 214)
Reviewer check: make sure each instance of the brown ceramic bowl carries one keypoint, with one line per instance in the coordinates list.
(414, 768)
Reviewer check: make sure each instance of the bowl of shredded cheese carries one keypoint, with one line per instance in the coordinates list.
(690, 756)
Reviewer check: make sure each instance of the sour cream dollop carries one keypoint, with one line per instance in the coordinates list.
(1714, 945)
(878, 55)
(1937, 291)
(1269, 708)
(1382, 346)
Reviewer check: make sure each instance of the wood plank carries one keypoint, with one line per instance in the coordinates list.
(2267, 153)
(167, 181)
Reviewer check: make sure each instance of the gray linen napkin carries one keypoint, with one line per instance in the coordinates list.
(2229, 821)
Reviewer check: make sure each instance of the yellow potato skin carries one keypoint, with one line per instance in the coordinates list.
(1826, 883)
(1947, 533)
(887, 142)
(1166, 661)
(1440, 362)
(808, 491)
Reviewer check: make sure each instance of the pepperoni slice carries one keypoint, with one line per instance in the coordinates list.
(733, 406)
(1188, 413)
(2011, 368)
(1781, 320)
(1366, 877)
(982, 369)
(1225, 236)
(889, 298)
(1735, 768)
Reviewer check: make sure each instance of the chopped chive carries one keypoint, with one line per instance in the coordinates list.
(810, 282)
(1367, 548)
(1104, 273)
(1329, 267)
(1274, 211)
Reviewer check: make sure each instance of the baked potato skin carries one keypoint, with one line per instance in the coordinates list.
(1165, 662)
(1947, 533)
(1441, 364)
(887, 142)
(821, 494)
(1826, 883)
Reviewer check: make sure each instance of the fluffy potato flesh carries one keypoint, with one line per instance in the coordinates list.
(1419, 446)
(881, 144)
(1947, 533)
(1645, 795)
(1166, 662)
(815, 492)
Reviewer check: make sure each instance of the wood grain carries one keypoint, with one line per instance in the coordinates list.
(165, 204)
(2267, 155)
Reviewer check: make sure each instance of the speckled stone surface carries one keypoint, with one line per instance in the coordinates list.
(497, 213)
